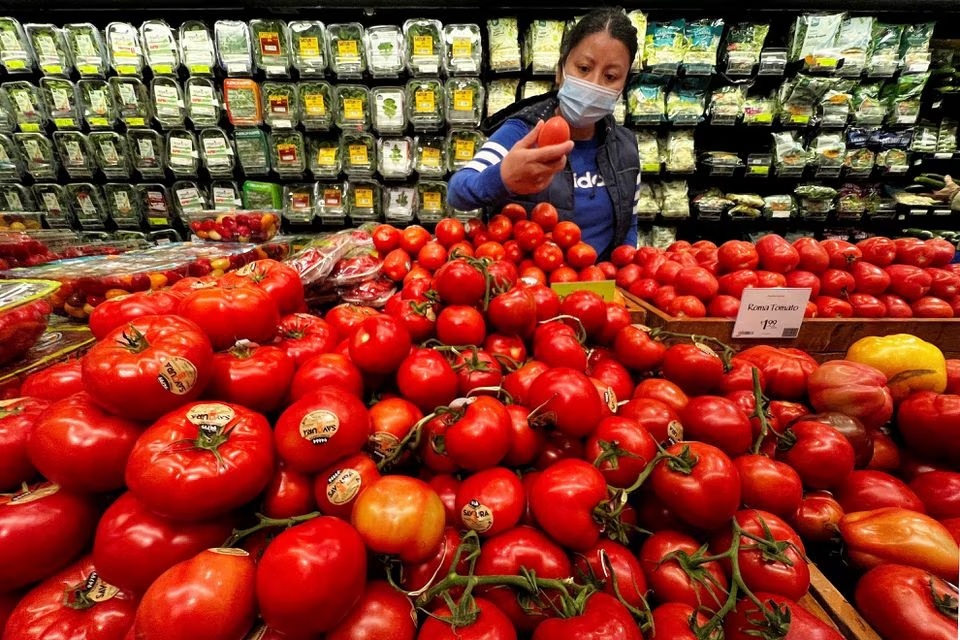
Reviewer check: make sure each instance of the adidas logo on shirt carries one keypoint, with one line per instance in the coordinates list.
(588, 180)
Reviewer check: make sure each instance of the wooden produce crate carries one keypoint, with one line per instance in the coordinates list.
(823, 338)
(827, 603)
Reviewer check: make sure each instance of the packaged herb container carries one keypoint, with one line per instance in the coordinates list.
(353, 106)
(639, 20)
(160, 47)
(326, 157)
(431, 201)
(203, 102)
(112, 155)
(544, 38)
(50, 49)
(331, 203)
(123, 48)
(8, 120)
(86, 46)
(464, 98)
(430, 159)
(11, 165)
(395, 157)
(168, 105)
(359, 153)
(124, 205)
(217, 152)
(15, 51)
(242, 98)
(29, 107)
(389, 113)
(385, 51)
(503, 36)
(345, 50)
(199, 53)
(74, 153)
(16, 198)
(87, 205)
(146, 152)
(399, 203)
(60, 97)
(363, 201)
(97, 104)
(425, 46)
(133, 101)
(288, 156)
(281, 106)
(271, 50)
(38, 155)
(183, 157)
(225, 195)
(463, 49)
(234, 50)
(188, 198)
(462, 144)
(315, 100)
(52, 200)
(262, 195)
(308, 44)
(425, 103)
(157, 205)
(299, 203)
(253, 151)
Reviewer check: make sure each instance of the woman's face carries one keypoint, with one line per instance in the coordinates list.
(600, 59)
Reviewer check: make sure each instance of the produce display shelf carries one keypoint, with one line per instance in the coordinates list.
(823, 338)
(827, 603)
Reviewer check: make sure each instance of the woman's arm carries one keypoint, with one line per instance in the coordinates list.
(479, 184)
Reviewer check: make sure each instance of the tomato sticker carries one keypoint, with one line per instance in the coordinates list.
(477, 516)
(32, 495)
(177, 375)
(97, 590)
(707, 350)
(675, 431)
(211, 417)
(229, 551)
(319, 426)
(384, 443)
(610, 398)
(343, 485)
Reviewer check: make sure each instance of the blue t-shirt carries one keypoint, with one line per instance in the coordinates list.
(591, 200)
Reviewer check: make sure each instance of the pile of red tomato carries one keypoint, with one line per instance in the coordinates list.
(874, 278)
(480, 459)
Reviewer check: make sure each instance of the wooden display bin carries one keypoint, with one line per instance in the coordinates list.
(828, 604)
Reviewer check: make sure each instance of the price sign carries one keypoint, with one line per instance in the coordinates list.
(771, 313)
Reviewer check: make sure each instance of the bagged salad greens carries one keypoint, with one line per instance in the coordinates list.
(363, 200)
(430, 158)
(307, 46)
(52, 200)
(97, 103)
(112, 155)
(790, 158)
(835, 104)
(647, 98)
(203, 103)
(168, 105)
(345, 51)
(903, 97)
(133, 101)
(665, 45)
(288, 156)
(242, 99)
(915, 47)
(687, 101)
(399, 203)
(160, 47)
(464, 98)
(681, 152)
(353, 106)
(532, 88)
(29, 107)
(74, 154)
(868, 108)
(253, 151)
(431, 200)
(183, 157)
(727, 104)
(359, 153)
(123, 205)
(463, 49)
(853, 43)
(234, 49)
(281, 105)
(38, 155)
(462, 145)
(50, 49)
(542, 45)
(225, 195)
(8, 120)
(424, 46)
(316, 101)
(395, 157)
(744, 43)
(425, 103)
(146, 152)
(702, 42)
(814, 35)
(501, 94)
(299, 202)
(217, 152)
(639, 20)
(87, 205)
(884, 55)
(827, 152)
(674, 199)
(86, 46)
(386, 50)
(326, 158)
(800, 96)
(389, 113)
(60, 96)
(123, 48)
(11, 166)
(503, 37)
(199, 52)
(271, 49)
(15, 52)
(649, 151)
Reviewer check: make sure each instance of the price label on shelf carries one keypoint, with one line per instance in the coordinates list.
(771, 313)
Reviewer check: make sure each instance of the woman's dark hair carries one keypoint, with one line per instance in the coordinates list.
(610, 20)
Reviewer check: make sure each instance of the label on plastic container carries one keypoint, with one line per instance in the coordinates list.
(463, 100)
(122, 202)
(425, 101)
(431, 157)
(332, 197)
(109, 152)
(464, 149)
(270, 43)
(319, 426)
(327, 156)
(314, 105)
(348, 48)
(432, 201)
(462, 48)
(309, 47)
(352, 109)
(177, 375)
(61, 99)
(147, 151)
(363, 198)
(75, 155)
(358, 154)
(423, 45)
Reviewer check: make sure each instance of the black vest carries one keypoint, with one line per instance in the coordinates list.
(617, 159)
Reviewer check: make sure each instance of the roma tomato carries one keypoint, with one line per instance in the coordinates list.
(55, 382)
(491, 501)
(490, 624)
(878, 250)
(830, 307)
(554, 131)
(896, 306)
(724, 306)
(820, 454)
(401, 516)
(930, 307)
(785, 371)
(664, 391)
(842, 254)
(940, 493)
(818, 516)
(148, 367)
(776, 254)
(906, 602)
(326, 370)
(854, 389)
(382, 612)
(563, 499)
(870, 278)
(867, 306)
(379, 344)
(836, 284)
(201, 461)
(769, 485)
(636, 350)
(909, 282)
(699, 483)
(279, 280)
(17, 418)
(310, 576)
(865, 490)
(791, 621)
(426, 378)
(696, 368)
(117, 312)
(289, 494)
(230, 314)
(302, 336)
(320, 429)
(257, 377)
(697, 282)
(42, 529)
(603, 617)
(568, 400)
(733, 284)
(338, 486)
(735, 255)
(621, 449)
(717, 421)
(913, 252)
(813, 257)
(672, 581)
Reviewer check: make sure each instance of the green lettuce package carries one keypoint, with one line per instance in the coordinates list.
(50, 49)
(288, 155)
(234, 49)
(168, 104)
(815, 35)
(225, 195)
(503, 40)
(639, 21)
(462, 145)
(146, 152)
(353, 106)
(425, 103)
(124, 50)
(389, 113)
(359, 153)
(542, 42)
(74, 153)
(299, 203)
(326, 157)
(52, 200)
(253, 151)
(431, 201)
(199, 52)
(87, 204)
(744, 43)
(345, 50)
(11, 166)
(87, 48)
(160, 47)
(316, 102)
(97, 103)
(112, 154)
(29, 107)
(123, 205)
(424, 45)
(702, 44)
(15, 52)
(395, 157)
(363, 200)
(463, 50)
(183, 156)
(307, 46)
(271, 49)
(217, 152)
(281, 106)
(134, 104)
(430, 157)
(38, 155)
(464, 98)
(203, 102)
(665, 45)
(60, 96)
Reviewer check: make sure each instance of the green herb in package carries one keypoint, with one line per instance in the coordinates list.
(112, 155)
(868, 108)
(146, 151)
(97, 103)
(299, 203)
(665, 44)
(307, 45)
(189, 197)
(183, 156)
(464, 101)
(87, 205)
(363, 200)
(463, 49)
(648, 204)
(225, 195)
(345, 49)
(217, 152)
(326, 158)
(501, 93)
(29, 107)
(199, 52)
(814, 35)
(800, 97)
(15, 52)
(389, 113)
(38, 155)
(133, 101)
(281, 106)
(759, 110)
(503, 37)
(315, 98)
(168, 104)
(271, 50)
(50, 49)
(639, 20)
(853, 44)
(647, 99)
(544, 38)
(52, 200)
(160, 47)
(16, 198)
(790, 157)
(156, 204)
(835, 104)
(353, 106)
(431, 156)
(123, 47)
(702, 43)
(262, 195)
(332, 202)
(253, 151)
(424, 45)
(386, 51)
(744, 43)
(123, 205)
(395, 156)
(203, 104)
(884, 55)
(60, 96)
(462, 145)
(431, 201)
(75, 156)
(915, 47)
(234, 49)
(425, 103)
(687, 101)
(87, 48)
(8, 120)
(359, 153)
(288, 156)
(903, 97)
(11, 167)
(399, 203)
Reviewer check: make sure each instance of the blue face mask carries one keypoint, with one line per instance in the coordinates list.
(583, 103)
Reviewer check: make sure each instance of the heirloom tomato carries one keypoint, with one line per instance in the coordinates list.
(785, 370)
(818, 516)
(906, 602)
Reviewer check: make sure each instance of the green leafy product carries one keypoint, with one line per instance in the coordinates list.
(271, 51)
(281, 107)
(262, 195)
(198, 50)
(463, 49)
(28, 105)
(113, 156)
(425, 103)
(315, 102)
(431, 200)
(359, 153)
(203, 104)
(52, 200)
(424, 39)
(430, 156)
(50, 49)
(345, 51)
(287, 153)
(299, 202)
(234, 50)
(331, 202)
(146, 151)
(96, 101)
(133, 101)
(156, 204)
(252, 151)
(60, 96)
(385, 51)
(160, 47)
(10, 163)
(225, 195)
(168, 104)
(123, 47)
(462, 145)
(242, 99)
(15, 54)
(307, 45)
(8, 120)
(353, 106)
(183, 158)
(87, 205)
(326, 158)
(124, 205)
(86, 46)
(189, 197)
(16, 198)
(503, 35)
(217, 151)
(465, 97)
(363, 200)
(389, 114)
(74, 154)
(903, 97)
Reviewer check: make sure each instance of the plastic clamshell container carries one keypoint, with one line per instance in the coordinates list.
(203, 102)
(271, 47)
(97, 103)
(50, 49)
(86, 43)
(123, 49)
(345, 51)
(316, 101)
(196, 44)
(234, 50)
(24, 311)
(385, 51)
(242, 99)
(308, 47)
(160, 47)
(235, 226)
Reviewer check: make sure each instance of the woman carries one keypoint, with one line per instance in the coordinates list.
(591, 179)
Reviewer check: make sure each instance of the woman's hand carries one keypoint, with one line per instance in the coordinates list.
(528, 169)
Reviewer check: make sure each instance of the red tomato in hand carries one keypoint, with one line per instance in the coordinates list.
(17, 419)
(554, 131)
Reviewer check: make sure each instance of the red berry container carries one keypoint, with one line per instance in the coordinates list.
(256, 226)
(24, 311)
